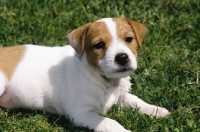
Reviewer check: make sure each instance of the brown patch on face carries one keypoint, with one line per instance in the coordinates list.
(86, 37)
(127, 28)
(9, 59)
(97, 33)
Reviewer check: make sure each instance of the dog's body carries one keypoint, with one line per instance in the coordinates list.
(78, 82)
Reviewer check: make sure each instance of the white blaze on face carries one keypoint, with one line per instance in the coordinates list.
(108, 64)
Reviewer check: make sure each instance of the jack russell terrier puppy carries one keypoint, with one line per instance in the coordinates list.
(80, 80)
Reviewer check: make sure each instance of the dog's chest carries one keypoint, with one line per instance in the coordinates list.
(110, 97)
(113, 92)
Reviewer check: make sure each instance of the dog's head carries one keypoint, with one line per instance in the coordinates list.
(110, 45)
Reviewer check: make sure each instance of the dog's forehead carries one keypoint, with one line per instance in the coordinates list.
(123, 27)
(110, 25)
(117, 27)
(98, 28)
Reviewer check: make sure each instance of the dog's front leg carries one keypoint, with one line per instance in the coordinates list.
(129, 100)
(98, 123)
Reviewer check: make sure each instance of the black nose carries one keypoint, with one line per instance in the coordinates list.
(121, 59)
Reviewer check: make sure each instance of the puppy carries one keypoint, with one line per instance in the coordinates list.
(80, 80)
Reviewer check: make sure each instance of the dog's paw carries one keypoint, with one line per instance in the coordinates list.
(160, 112)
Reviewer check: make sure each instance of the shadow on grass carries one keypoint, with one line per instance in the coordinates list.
(55, 122)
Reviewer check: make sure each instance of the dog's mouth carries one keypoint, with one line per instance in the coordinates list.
(120, 72)
(124, 69)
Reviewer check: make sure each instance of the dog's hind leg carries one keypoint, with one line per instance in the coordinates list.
(2, 84)
(2, 91)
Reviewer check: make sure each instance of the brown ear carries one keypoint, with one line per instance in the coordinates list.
(77, 38)
(139, 30)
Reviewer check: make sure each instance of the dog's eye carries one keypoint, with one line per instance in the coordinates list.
(100, 45)
(128, 39)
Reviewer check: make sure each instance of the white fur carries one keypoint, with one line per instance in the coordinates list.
(57, 80)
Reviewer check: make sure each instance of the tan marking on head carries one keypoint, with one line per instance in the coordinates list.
(127, 28)
(97, 32)
(85, 37)
(9, 59)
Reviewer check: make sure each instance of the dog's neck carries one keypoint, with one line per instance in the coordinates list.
(112, 81)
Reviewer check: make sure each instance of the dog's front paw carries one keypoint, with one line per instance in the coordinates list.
(154, 111)
(160, 112)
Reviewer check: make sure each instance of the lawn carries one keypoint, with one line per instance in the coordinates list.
(168, 71)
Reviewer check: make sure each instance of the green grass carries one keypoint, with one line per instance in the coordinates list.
(168, 71)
